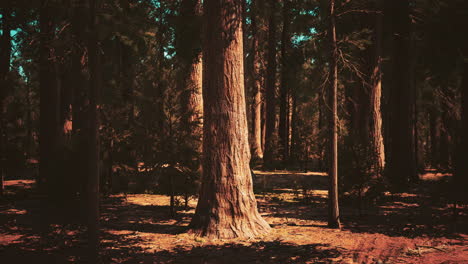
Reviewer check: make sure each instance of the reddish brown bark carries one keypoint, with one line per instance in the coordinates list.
(227, 207)
(376, 137)
(270, 92)
(190, 71)
(333, 207)
(256, 143)
(283, 127)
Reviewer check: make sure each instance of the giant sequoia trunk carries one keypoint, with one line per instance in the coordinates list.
(283, 127)
(270, 87)
(401, 162)
(256, 143)
(334, 212)
(49, 105)
(5, 55)
(227, 207)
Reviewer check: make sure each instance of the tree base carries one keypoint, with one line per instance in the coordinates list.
(229, 227)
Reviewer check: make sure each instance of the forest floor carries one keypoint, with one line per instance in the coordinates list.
(414, 227)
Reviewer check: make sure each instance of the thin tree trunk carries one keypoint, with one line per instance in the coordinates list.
(334, 213)
(227, 207)
(80, 89)
(257, 150)
(283, 129)
(294, 132)
(270, 88)
(434, 126)
(93, 119)
(5, 56)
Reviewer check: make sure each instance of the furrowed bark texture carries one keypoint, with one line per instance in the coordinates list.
(227, 207)
(256, 145)
(191, 61)
(377, 142)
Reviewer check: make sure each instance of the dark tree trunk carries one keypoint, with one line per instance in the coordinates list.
(80, 89)
(283, 127)
(434, 126)
(401, 162)
(334, 212)
(256, 145)
(375, 131)
(270, 92)
(294, 131)
(461, 175)
(128, 82)
(5, 55)
(93, 119)
(191, 65)
(49, 105)
(227, 207)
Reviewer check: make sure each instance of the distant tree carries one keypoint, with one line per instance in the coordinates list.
(5, 56)
(283, 127)
(375, 96)
(94, 68)
(270, 90)
(227, 207)
(401, 165)
(334, 211)
(256, 145)
(50, 130)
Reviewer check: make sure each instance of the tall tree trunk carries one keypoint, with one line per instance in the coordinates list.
(191, 63)
(93, 119)
(461, 175)
(270, 88)
(334, 213)
(377, 141)
(49, 104)
(128, 81)
(80, 86)
(434, 126)
(5, 56)
(283, 128)
(294, 131)
(227, 207)
(401, 162)
(257, 150)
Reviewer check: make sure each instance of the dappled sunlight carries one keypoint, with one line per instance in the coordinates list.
(138, 228)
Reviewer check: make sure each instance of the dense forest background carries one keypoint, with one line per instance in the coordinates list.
(106, 96)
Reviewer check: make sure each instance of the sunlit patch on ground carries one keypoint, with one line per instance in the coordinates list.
(138, 228)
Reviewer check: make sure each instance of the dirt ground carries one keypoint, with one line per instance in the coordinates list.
(415, 227)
